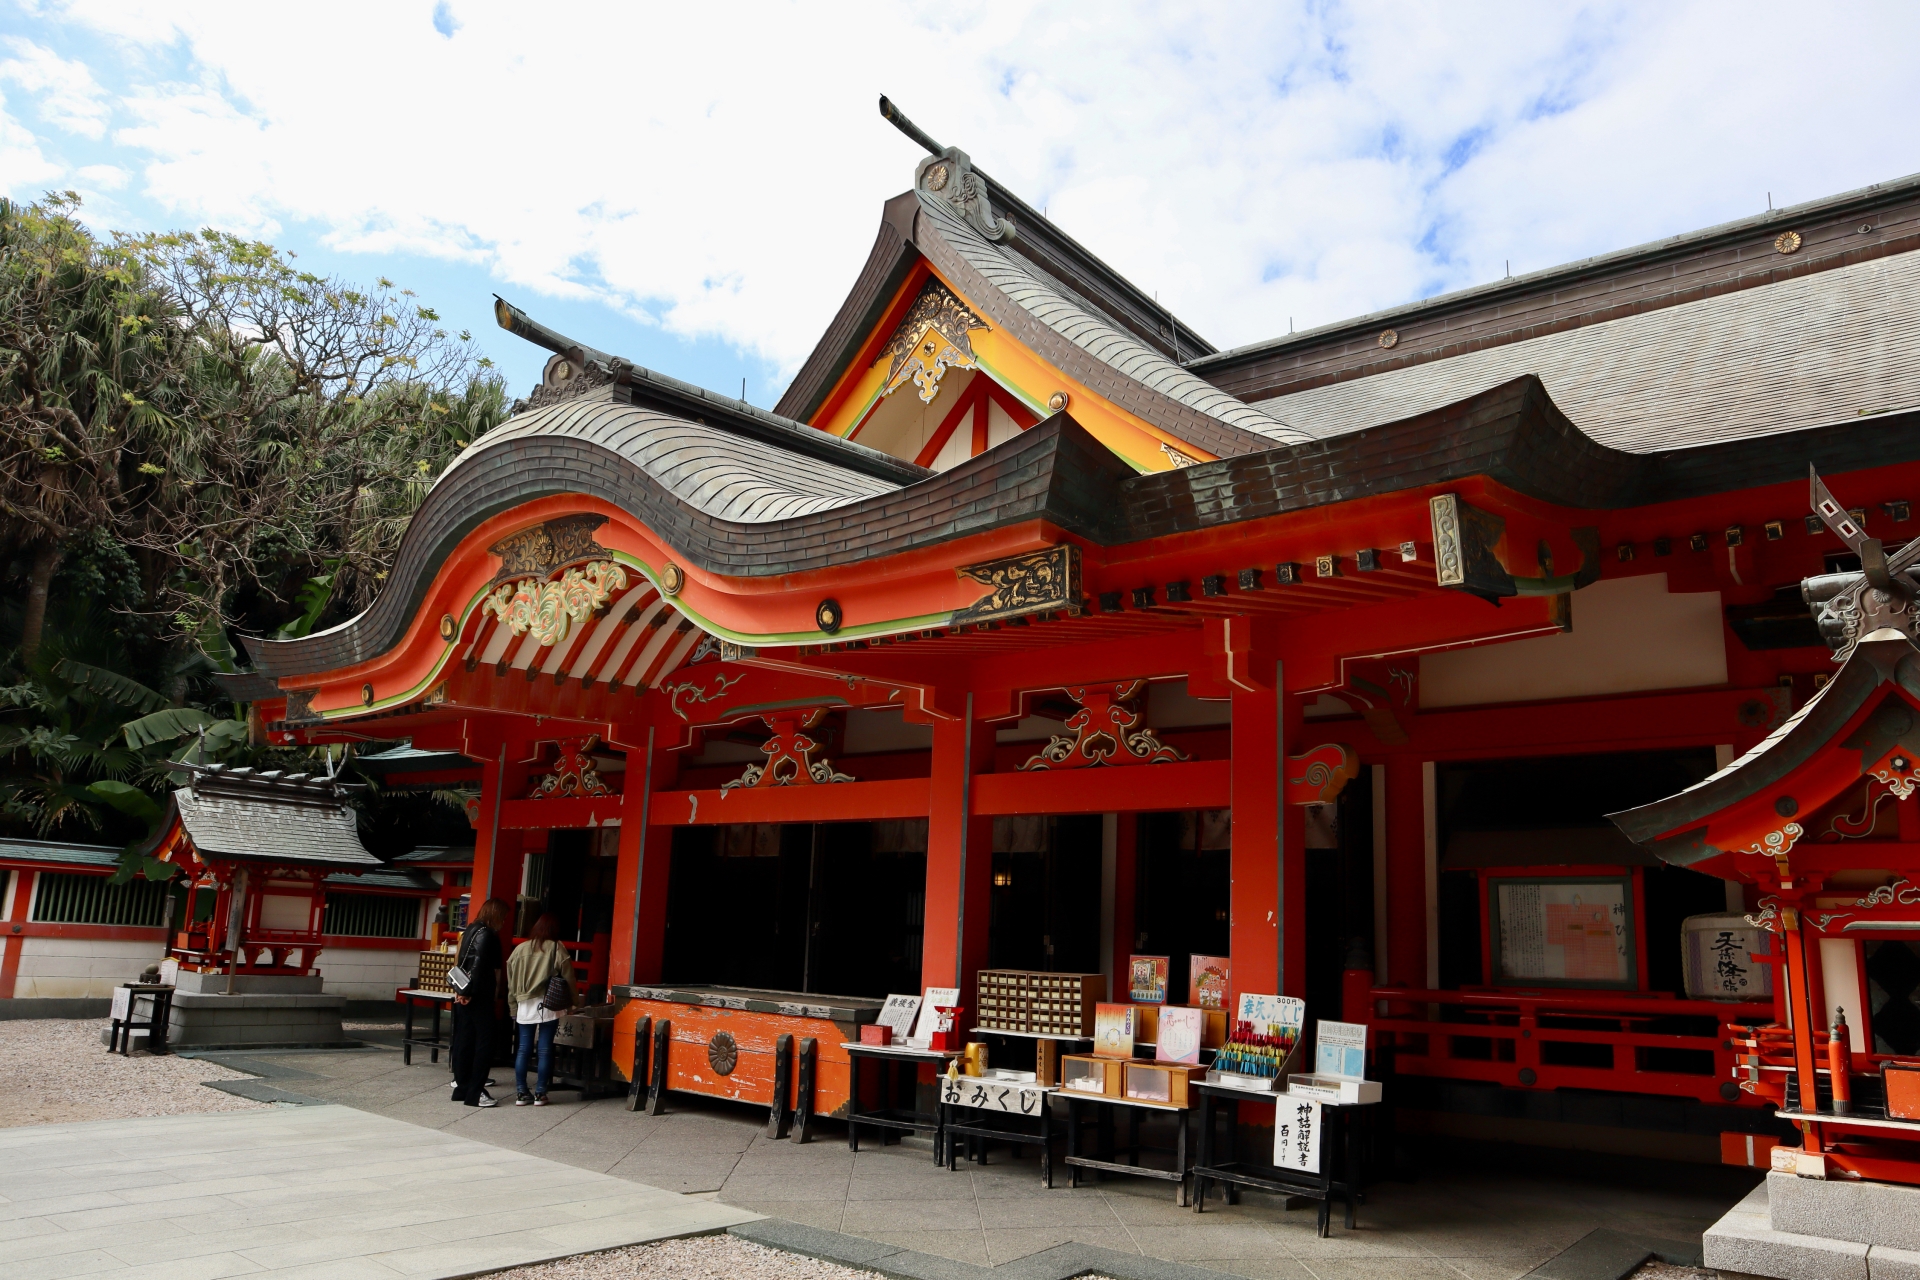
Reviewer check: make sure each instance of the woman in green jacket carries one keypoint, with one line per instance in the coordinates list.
(531, 967)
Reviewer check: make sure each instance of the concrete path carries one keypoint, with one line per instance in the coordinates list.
(321, 1191)
(1473, 1216)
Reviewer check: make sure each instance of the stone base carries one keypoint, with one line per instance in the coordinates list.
(1792, 1228)
(248, 984)
(248, 1020)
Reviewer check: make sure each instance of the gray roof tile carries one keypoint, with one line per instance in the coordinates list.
(1781, 357)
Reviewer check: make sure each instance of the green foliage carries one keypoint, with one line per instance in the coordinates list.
(197, 438)
(122, 690)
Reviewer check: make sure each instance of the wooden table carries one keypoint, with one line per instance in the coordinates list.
(159, 998)
(1233, 1173)
(1104, 1162)
(413, 998)
(1016, 1113)
(887, 1117)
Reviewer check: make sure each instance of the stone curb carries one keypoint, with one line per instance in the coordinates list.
(1062, 1262)
(261, 1091)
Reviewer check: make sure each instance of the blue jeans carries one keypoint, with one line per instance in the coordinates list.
(527, 1032)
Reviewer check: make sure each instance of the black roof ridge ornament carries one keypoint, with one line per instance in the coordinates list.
(669, 394)
(1881, 596)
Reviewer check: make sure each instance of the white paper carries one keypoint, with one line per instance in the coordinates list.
(936, 997)
(992, 1095)
(122, 1002)
(898, 1014)
(1296, 1134)
(1340, 1049)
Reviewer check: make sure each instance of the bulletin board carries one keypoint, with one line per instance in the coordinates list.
(1563, 931)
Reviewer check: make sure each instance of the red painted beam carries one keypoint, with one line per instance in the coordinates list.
(559, 814)
(818, 802)
(1194, 784)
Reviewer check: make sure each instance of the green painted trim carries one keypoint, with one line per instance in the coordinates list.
(772, 639)
(777, 638)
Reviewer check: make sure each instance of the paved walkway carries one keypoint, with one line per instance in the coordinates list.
(1477, 1214)
(321, 1191)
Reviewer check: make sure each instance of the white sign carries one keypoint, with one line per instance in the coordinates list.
(122, 1002)
(992, 1095)
(936, 998)
(1340, 1049)
(898, 1015)
(1296, 1134)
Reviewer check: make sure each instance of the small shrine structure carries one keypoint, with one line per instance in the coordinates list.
(1821, 820)
(255, 849)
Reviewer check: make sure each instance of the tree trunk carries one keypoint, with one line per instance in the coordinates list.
(46, 563)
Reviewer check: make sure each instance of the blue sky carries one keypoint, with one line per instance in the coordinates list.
(697, 189)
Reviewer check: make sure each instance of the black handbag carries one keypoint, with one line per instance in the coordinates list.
(559, 994)
(457, 976)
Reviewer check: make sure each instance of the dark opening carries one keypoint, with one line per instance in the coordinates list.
(801, 907)
(1545, 793)
(1046, 896)
(1183, 893)
(1339, 894)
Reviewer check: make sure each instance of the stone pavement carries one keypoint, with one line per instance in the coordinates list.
(323, 1191)
(1479, 1213)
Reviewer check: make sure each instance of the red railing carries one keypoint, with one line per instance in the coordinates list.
(1627, 1042)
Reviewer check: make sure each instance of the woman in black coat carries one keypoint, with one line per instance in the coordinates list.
(476, 1026)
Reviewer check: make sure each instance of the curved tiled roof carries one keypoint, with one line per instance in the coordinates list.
(1245, 427)
(720, 473)
(1795, 354)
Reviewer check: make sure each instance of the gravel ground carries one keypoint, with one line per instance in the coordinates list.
(56, 1071)
(719, 1257)
(1667, 1271)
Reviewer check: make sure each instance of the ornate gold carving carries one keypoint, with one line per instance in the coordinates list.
(1032, 583)
(672, 578)
(687, 693)
(1389, 339)
(1105, 731)
(549, 609)
(1177, 458)
(1787, 242)
(1059, 400)
(935, 336)
(1463, 542)
(537, 552)
(573, 773)
(790, 759)
(564, 380)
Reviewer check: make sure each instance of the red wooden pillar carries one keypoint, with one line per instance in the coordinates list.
(646, 855)
(1269, 864)
(498, 853)
(959, 857)
(1406, 940)
(1293, 849)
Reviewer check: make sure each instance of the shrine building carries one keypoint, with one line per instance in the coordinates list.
(1031, 631)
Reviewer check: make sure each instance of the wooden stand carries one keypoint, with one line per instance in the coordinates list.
(1233, 1173)
(898, 1119)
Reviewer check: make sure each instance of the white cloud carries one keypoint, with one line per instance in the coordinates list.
(102, 177)
(66, 92)
(720, 170)
(25, 172)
